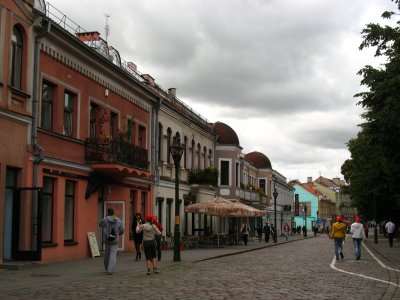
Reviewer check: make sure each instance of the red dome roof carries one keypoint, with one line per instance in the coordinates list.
(259, 160)
(225, 134)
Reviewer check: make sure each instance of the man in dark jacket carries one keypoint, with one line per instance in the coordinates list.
(267, 232)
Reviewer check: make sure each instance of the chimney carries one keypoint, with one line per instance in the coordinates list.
(172, 92)
(149, 79)
(336, 181)
(88, 36)
(309, 179)
(132, 66)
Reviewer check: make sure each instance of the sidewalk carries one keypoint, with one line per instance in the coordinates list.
(382, 249)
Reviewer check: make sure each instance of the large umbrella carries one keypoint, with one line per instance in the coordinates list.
(224, 208)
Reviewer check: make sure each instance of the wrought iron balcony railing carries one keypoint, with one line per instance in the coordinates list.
(115, 151)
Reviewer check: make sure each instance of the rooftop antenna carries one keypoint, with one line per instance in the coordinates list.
(107, 28)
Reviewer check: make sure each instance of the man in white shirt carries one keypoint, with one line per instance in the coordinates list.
(357, 230)
(390, 231)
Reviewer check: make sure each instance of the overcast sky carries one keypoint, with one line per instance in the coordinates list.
(281, 73)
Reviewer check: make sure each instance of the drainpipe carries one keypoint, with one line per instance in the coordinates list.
(156, 146)
(35, 103)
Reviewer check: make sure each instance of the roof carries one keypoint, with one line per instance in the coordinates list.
(225, 134)
(258, 159)
(311, 189)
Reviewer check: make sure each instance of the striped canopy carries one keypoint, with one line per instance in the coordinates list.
(224, 208)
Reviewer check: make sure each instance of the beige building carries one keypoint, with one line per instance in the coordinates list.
(333, 189)
(178, 121)
(250, 179)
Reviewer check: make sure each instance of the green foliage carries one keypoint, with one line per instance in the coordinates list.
(207, 176)
(373, 172)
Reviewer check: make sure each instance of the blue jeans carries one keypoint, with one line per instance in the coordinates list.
(357, 247)
(338, 246)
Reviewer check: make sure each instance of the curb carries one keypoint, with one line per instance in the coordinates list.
(249, 250)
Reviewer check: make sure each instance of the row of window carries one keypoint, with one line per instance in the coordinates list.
(48, 197)
(47, 109)
(99, 117)
(137, 203)
(193, 157)
(225, 175)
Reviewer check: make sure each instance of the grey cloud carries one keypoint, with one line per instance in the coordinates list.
(280, 61)
(333, 138)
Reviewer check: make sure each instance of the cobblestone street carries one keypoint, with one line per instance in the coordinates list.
(297, 270)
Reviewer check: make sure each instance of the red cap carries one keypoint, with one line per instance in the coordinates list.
(357, 219)
(149, 217)
(154, 218)
(339, 218)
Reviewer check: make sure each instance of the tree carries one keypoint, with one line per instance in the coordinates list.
(374, 167)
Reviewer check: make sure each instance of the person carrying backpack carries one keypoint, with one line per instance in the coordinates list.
(112, 229)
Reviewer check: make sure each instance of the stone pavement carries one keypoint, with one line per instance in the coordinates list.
(93, 267)
(298, 269)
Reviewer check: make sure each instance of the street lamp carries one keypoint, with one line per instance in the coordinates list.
(275, 193)
(176, 150)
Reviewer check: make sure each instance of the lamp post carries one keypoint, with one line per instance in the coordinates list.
(275, 193)
(176, 150)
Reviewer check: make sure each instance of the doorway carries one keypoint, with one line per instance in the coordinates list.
(22, 221)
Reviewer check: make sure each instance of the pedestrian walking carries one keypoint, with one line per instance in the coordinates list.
(273, 231)
(366, 230)
(158, 237)
(267, 232)
(149, 242)
(286, 230)
(298, 230)
(358, 234)
(137, 237)
(304, 231)
(245, 233)
(390, 227)
(315, 230)
(259, 232)
(112, 228)
(338, 235)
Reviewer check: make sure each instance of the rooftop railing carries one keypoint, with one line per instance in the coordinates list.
(111, 54)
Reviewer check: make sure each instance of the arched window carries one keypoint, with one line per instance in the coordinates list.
(204, 157)
(169, 136)
(192, 151)
(185, 152)
(16, 58)
(198, 156)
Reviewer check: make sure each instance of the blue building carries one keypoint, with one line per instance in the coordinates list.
(305, 195)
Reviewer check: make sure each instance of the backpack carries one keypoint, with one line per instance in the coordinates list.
(112, 236)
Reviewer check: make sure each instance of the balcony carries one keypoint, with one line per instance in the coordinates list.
(115, 151)
(252, 196)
